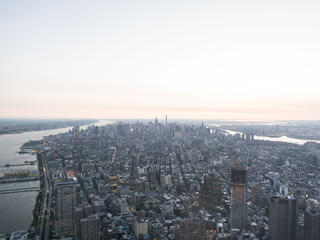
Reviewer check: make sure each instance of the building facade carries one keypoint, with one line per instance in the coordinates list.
(312, 224)
(238, 213)
(66, 202)
(283, 217)
(210, 193)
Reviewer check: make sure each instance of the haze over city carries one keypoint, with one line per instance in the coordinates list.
(252, 60)
(168, 119)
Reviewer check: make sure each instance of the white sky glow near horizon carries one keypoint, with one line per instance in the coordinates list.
(254, 59)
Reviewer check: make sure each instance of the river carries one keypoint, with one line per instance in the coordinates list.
(16, 208)
(273, 139)
(277, 139)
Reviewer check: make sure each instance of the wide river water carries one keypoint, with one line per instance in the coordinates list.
(16, 208)
(277, 139)
(273, 139)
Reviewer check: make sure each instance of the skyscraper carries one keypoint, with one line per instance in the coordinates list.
(133, 170)
(238, 214)
(210, 192)
(90, 228)
(66, 203)
(283, 218)
(312, 224)
(81, 212)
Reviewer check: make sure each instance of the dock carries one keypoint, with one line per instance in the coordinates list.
(18, 190)
(26, 163)
(15, 180)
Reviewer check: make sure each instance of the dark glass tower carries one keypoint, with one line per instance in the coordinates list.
(312, 224)
(283, 217)
(238, 217)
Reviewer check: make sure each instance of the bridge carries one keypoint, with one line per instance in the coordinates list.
(17, 190)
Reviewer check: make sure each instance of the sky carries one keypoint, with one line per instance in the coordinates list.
(244, 60)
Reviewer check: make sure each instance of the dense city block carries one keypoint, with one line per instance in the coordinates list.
(161, 180)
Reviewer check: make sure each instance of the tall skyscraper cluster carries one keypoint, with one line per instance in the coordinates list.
(283, 211)
(74, 219)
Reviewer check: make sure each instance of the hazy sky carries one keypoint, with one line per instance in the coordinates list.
(257, 60)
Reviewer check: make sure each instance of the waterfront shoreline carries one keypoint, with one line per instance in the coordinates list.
(39, 198)
(45, 129)
(284, 139)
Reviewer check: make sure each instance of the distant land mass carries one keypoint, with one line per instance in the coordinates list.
(13, 126)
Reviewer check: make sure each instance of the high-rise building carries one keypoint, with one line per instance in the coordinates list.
(81, 212)
(90, 228)
(312, 224)
(133, 170)
(78, 212)
(140, 228)
(283, 218)
(210, 192)
(248, 137)
(66, 200)
(258, 197)
(238, 213)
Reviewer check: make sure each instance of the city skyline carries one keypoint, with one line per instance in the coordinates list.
(206, 60)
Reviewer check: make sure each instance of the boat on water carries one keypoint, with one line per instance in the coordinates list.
(24, 152)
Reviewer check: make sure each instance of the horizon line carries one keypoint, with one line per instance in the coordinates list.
(160, 119)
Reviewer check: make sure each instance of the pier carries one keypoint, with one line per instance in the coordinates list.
(18, 190)
(15, 180)
(26, 163)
